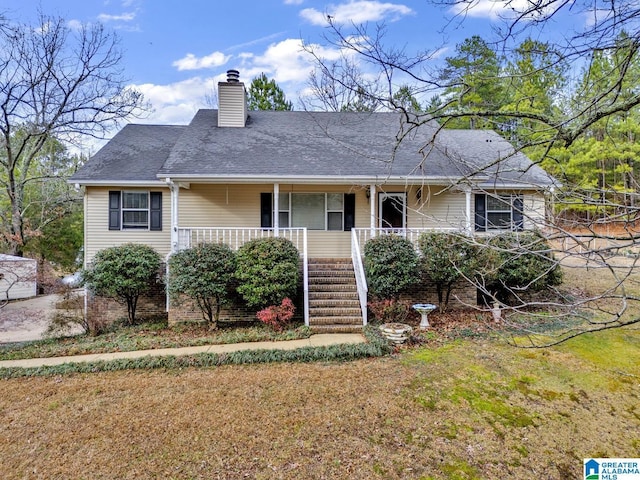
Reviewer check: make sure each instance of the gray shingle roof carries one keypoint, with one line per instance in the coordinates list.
(309, 144)
(134, 154)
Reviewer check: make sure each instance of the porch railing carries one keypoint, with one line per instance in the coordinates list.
(361, 280)
(365, 234)
(235, 237)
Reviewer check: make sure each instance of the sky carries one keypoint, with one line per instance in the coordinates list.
(176, 51)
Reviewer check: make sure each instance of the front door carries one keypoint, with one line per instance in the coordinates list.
(392, 210)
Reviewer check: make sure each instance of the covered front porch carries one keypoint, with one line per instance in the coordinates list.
(328, 224)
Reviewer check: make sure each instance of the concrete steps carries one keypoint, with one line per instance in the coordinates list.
(333, 296)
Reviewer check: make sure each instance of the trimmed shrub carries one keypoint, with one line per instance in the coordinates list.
(391, 266)
(203, 273)
(447, 258)
(522, 261)
(123, 273)
(277, 316)
(267, 271)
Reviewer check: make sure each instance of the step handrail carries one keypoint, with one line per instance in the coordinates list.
(358, 270)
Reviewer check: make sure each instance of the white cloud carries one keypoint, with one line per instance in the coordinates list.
(176, 103)
(75, 25)
(191, 62)
(125, 17)
(495, 9)
(293, 2)
(359, 11)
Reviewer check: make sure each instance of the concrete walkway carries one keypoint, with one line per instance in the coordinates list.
(319, 340)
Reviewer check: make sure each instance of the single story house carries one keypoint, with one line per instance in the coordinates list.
(328, 181)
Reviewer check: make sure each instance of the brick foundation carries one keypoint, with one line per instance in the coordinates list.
(462, 295)
(108, 310)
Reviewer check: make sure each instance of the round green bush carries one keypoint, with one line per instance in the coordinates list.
(124, 273)
(391, 266)
(267, 271)
(447, 258)
(523, 261)
(204, 274)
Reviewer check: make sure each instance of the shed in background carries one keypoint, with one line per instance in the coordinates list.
(17, 277)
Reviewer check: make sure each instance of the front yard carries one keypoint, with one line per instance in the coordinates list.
(468, 409)
(459, 403)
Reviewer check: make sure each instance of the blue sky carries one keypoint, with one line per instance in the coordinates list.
(176, 51)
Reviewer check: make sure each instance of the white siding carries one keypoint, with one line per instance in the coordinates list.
(98, 236)
(436, 208)
(17, 277)
(232, 105)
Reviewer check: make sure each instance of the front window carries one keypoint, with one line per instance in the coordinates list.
(315, 211)
(135, 210)
(499, 212)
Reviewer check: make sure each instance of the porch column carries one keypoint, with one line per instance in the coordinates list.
(372, 205)
(276, 208)
(175, 193)
(467, 195)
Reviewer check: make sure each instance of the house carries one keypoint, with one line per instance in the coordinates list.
(328, 181)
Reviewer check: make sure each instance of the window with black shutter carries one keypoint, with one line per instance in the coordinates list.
(498, 212)
(135, 210)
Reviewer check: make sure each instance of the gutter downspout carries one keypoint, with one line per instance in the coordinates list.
(175, 238)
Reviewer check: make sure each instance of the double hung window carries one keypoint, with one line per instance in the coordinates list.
(498, 212)
(135, 210)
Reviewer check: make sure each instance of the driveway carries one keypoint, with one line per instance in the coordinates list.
(26, 320)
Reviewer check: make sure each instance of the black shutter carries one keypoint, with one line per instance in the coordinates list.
(481, 212)
(266, 210)
(518, 218)
(155, 211)
(114, 210)
(349, 211)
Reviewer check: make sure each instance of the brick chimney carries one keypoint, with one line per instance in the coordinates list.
(232, 101)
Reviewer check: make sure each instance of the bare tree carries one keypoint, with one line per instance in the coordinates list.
(606, 240)
(55, 83)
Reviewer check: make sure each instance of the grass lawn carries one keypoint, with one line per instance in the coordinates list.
(462, 406)
(467, 409)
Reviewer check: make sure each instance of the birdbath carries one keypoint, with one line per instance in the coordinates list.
(424, 309)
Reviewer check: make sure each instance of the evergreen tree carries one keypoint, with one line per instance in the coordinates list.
(265, 94)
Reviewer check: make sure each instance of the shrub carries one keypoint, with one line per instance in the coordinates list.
(267, 271)
(391, 265)
(204, 274)
(277, 316)
(69, 316)
(522, 261)
(392, 311)
(123, 273)
(446, 258)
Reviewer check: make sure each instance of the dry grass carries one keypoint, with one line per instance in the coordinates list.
(465, 410)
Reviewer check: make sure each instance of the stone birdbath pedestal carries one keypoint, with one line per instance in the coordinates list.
(396, 332)
(424, 309)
